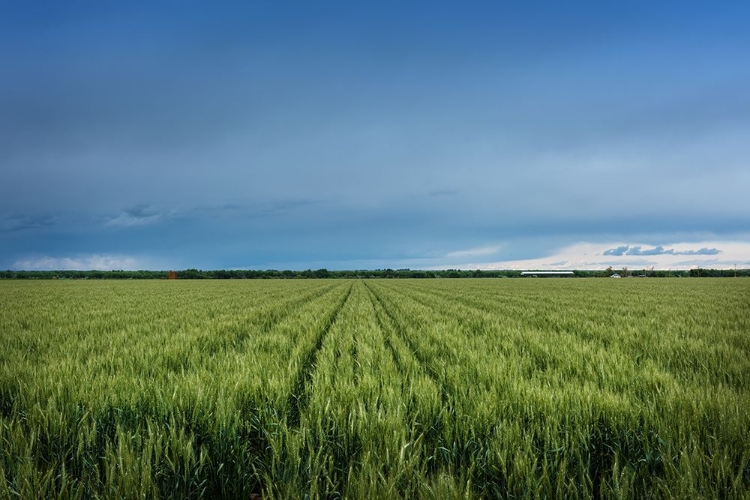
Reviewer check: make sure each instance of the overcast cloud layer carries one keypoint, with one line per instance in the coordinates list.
(350, 135)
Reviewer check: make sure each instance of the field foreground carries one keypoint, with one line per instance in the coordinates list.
(490, 388)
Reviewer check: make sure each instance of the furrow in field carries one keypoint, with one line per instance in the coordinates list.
(300, 396)
(497, 356)
(453, 349)
(389, 322)
(387, 332)
(404, 354)
(465, 298)
(355, 361)
(525, 307)
(284, 308)
(261, 322)
(364, 418)
(418, 295)
(401, 351)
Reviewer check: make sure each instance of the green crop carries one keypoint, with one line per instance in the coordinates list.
(375, 389)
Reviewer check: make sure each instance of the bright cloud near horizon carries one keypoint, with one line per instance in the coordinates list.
(296, 135)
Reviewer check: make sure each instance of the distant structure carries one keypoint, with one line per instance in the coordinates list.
(542, 274)
(615, 276)
(172, 275)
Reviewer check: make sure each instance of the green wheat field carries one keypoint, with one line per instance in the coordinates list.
(443, 388)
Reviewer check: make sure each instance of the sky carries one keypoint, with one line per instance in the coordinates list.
(373, 135)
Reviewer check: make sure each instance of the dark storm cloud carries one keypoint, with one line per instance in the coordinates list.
(140, 211)
(11, 223)
(266, 209)
(147, 215)
(139, 215)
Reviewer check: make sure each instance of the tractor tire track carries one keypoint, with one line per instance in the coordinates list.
(300, 395)
(445, 391)
(468, 301)
(388, 332)
(268, 320)
(234, 338)
(418, 297)
(263, 322)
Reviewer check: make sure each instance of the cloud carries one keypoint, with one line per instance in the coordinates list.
(12, 223)
(98, 262)
(701, 251)
(562, 263)
(281, 207)
(147, 215)
(590, 256)
(488, 250)
(139, 215)
(657, 250)
(617, 251)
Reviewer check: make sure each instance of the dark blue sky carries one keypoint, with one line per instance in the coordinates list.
(371, 135)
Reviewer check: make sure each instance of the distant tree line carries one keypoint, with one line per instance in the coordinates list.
(358, 274)
(718, 273)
